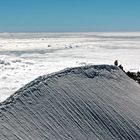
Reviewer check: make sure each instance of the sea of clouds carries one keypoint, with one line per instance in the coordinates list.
(25, 56)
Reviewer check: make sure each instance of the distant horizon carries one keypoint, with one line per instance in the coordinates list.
(74, 32)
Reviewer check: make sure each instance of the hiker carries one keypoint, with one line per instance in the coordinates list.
(116, 62)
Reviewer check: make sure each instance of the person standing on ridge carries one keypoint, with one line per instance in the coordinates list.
(116, 62)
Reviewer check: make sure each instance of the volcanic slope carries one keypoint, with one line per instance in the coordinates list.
(85, 103)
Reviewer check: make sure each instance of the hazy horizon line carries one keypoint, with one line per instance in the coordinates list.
(72, 32)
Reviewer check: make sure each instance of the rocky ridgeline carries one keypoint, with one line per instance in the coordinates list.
(134, 75)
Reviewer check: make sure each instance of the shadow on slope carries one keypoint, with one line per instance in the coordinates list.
(92, 102)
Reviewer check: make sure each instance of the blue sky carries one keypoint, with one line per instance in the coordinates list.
(69, 15)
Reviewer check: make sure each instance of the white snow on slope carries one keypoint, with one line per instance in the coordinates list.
(92, 102)
(24, 56)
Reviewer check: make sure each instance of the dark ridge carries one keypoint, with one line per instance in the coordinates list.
(134, 75)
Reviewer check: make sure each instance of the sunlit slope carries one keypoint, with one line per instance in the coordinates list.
(84, 103)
